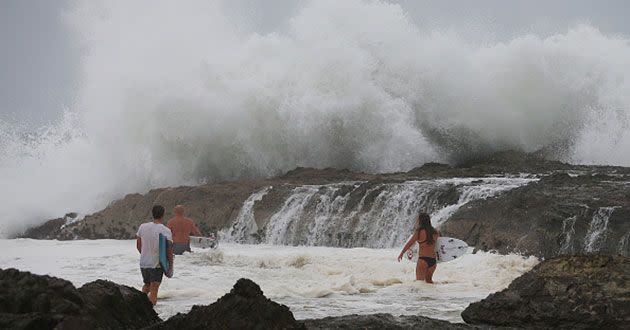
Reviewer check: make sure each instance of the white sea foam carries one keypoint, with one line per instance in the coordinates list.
(178, 93)
(312, 281)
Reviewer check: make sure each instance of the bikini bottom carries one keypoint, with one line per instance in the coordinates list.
(430, 261)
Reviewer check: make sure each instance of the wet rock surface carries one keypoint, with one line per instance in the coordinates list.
(51, 229)
(29, 301)
(244, 307)
(385, 322)
(118, 306)
(560, 214)
(568, 292)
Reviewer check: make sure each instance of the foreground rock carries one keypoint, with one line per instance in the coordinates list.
(384, 322)
(29, 301)
(571, 292)
(244, 307)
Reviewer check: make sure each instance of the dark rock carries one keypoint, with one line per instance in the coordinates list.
(384, 322)
(509, 159)
(245, 307)
(23, 292)
(323, 175)
(558, 215)
(118, 305)
(49, 230)
(26, 321)
(569, 292)
(29, 301)
(71, 215)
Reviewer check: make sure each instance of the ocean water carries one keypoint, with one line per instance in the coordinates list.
(313, 281)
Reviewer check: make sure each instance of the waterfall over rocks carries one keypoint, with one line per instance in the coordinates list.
(597, 230)
(365, 214)
(244, 225)
(568, 231)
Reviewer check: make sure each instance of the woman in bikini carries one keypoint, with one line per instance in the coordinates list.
(426, 236)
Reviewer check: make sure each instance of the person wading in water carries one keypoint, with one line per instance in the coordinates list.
(148, 244)
(426, 236)
(182, 227)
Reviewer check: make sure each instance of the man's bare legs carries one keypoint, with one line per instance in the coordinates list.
(152, 290)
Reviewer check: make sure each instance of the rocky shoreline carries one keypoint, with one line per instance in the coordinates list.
(509, 202)
(568, 292)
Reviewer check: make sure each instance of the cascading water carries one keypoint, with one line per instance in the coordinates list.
(492, 187)
(245, 226)
(596, 233)
(351, 214)
(568, 232)
(391, 210)
(624, 245)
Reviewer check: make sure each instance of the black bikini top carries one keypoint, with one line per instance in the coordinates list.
(420, 242)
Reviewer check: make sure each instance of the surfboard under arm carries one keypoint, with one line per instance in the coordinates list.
(167, 268)
(446, 249)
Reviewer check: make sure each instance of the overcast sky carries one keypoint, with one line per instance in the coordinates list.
(38, 57)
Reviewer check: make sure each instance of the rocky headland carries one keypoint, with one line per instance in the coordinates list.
(508, 202)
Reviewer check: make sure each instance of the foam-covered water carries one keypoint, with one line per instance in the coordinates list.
(312, 281)
(178, 93)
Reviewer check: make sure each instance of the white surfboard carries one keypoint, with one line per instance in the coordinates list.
(204, 242)
(446, 249)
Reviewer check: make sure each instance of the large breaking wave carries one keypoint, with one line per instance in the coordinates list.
(179, 93)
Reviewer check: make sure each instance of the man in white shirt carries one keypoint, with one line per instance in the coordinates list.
(148, 244)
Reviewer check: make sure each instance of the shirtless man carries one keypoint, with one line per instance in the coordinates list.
(182, 227)
(147, 243)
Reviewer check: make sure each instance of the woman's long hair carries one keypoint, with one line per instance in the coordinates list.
(424, 222)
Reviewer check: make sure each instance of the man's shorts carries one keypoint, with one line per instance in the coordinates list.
(180, 248)
(150, 275)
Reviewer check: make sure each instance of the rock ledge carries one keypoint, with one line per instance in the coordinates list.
(567, 292)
